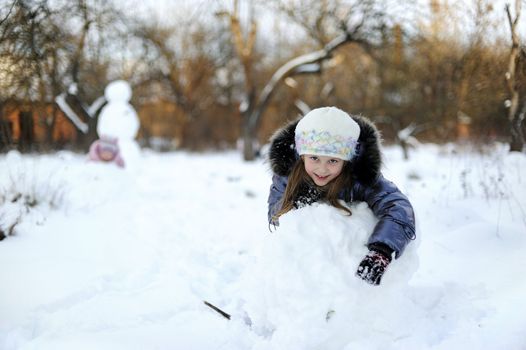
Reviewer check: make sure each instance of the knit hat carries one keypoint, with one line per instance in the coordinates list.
(327, 131)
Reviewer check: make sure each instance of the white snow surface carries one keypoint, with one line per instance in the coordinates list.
(108, 258)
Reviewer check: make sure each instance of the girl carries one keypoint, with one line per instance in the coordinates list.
(330, 156)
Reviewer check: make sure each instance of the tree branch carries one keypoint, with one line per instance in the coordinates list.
(8, 13)
(292, 66)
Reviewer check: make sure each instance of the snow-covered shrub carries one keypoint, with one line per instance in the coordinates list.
(485, 174)
(9, 218)
(465, 173)
(31, 186)
(27, 184)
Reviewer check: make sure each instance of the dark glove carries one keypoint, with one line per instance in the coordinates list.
(306, 196)
(373, 266)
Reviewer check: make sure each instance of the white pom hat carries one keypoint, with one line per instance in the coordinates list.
(327, 131)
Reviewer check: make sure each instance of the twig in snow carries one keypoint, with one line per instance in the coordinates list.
(218, 310)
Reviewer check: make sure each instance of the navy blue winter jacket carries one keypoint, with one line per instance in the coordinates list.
(396, 225)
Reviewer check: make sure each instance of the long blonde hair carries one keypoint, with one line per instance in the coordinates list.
(299, 179)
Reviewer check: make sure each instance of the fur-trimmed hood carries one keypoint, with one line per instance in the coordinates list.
(365, 165)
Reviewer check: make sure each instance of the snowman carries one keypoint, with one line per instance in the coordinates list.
(118, 121)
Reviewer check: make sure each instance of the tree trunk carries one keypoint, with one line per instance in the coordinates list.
(26, 138)
(249, 128)
(248, 142)
(515, 116)
(6, 131)
(517, 136)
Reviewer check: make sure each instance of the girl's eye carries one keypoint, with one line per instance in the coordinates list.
(313, 158)
(333, 161)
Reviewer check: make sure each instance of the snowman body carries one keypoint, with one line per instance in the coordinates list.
(118, 120)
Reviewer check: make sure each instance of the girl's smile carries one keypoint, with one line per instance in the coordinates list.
(322, 169)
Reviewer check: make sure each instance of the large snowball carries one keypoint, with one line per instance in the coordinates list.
(118, 120)
(304, 280)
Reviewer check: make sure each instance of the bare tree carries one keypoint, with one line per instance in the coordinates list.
(245, 51)
(26, 55)
(449, 75)
(5, 29)
(333, 26)
(97, 28)
(47, 46)
(515, 116)
(182, 63)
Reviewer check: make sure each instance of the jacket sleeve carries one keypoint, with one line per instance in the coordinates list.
(277, 189)
(396, 225)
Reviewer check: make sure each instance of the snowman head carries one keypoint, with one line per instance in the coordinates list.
(118, 91)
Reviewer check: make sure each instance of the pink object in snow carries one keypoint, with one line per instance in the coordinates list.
(106, 150)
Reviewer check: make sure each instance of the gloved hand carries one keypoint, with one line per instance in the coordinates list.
(373, 266)
(306, 196)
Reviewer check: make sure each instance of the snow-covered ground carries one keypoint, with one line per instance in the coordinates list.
(105, 258)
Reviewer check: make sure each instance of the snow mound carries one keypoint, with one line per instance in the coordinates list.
(32, 186)
(302, 292)
(307, 267)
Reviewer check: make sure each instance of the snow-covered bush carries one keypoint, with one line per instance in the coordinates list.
(32, 186)
(27, 186)
(467, 172)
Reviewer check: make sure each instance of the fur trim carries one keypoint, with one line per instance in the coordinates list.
(365, 165)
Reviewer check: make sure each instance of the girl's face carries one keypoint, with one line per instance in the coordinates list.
(322, 169)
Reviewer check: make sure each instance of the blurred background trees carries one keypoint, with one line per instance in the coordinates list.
(219, 73)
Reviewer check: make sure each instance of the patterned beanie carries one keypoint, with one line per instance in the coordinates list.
(327, 131)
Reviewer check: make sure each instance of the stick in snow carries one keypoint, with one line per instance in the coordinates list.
(218, 310)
